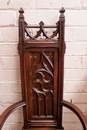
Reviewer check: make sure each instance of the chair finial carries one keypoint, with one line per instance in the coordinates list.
(62, 10)
(21, 11)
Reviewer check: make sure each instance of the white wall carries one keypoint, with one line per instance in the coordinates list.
(75, 86)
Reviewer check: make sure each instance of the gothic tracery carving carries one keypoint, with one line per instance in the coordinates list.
(42, 80)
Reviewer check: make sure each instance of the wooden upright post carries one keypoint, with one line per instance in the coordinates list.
(21, 30)
(61, 63)
(21, 53)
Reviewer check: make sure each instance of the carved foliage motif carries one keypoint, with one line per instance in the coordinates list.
(42, 83)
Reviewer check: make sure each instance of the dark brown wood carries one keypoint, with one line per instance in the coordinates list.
(61, 63)
(43, 61)
(42, 74)
(9, 110)
(77, 111)
(42, 30)
(22, 66)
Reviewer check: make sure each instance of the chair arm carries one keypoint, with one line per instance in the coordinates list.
(9, 110)
(77, 111)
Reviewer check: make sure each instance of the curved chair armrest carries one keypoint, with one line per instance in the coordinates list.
(77, 111)
(9, 110)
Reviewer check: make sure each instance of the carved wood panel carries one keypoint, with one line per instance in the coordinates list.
(42, 70)
(42, 88)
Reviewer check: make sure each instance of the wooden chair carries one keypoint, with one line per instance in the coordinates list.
(42, 70)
